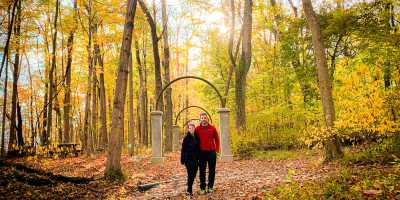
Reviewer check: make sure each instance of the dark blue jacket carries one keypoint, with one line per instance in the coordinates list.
(190, 148)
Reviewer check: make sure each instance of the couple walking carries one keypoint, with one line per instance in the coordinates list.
(199, 150)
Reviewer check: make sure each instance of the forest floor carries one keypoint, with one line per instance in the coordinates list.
(240, 179)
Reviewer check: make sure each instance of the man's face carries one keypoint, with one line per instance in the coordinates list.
(204, 120)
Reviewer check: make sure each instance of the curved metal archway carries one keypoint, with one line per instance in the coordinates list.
(222, 100)
(180, 112)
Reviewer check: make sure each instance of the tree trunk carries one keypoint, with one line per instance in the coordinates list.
(332, 145)
(113, 166)
(138, 119)
(3, 120)
(243, 68)
(156, 54)
(103, 105)
(95, 94)
(13, 127)
(131, 130)
(232, 55)
(20, 136)
(67, 96)
(51, 74)
(9, 33)
(95, 116)
(31, 100)
(142, 104)
(168, 92)
(87, 129)
(5, 61)
(58, 117)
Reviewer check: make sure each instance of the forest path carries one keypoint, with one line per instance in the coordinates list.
(240, 179)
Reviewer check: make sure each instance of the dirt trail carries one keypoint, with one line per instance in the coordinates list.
(240, 179)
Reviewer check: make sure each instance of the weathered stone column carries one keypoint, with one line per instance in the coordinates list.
(156, 137)
(224, 134)
(175, 138)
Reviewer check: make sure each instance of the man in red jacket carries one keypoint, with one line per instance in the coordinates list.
(209, 147)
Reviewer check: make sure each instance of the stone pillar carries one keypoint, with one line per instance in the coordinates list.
(175, 138)
(156, 137)
(224, 134)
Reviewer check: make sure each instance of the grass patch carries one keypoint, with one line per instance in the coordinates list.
(368, 172)
(349, 183)
(384, 151)
(246, 145)
(284, 154)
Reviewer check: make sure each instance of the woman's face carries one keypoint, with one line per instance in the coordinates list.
(191, 128)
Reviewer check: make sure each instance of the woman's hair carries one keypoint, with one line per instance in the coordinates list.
(191, 124)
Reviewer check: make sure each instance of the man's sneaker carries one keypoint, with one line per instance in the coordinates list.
(210, 190)
(202, 192)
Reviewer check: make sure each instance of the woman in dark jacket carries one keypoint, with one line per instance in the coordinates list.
(189, 156)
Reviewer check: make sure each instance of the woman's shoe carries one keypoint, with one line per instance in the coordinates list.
(189, 194)
(210, 190)
(202, 192)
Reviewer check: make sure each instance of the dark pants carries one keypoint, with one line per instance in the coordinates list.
(191, 168)
(210, 158)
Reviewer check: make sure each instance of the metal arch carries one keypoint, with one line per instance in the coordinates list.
(222, 100)
(180, 112)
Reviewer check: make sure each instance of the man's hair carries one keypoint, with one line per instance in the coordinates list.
(203, 114)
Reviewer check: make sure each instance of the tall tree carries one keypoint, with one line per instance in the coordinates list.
(11, 16)
(95, 96)
(113, 166)
(168, 92)
(31, 100)
(156, 54)
(67, 96)
(233, 54)
(9, 33)
(103, 105)
(3, 120)
(87, 129)
(16, 71)
(332, 145)
(243, 67)
(142, 104)
(52, 72)
(131, 128)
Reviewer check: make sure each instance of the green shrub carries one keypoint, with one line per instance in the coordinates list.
(382, 152)
(246, 144)
(348, 183)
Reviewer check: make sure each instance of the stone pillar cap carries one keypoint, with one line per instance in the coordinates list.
(223, 110)
(156, 112)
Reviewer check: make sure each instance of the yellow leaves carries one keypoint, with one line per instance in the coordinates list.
(363, 107)
(360, 103)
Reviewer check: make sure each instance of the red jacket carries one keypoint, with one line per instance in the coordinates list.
(209, 139)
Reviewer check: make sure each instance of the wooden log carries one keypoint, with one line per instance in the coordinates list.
(148, 186)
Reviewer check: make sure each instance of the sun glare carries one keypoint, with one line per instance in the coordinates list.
(216, 19)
